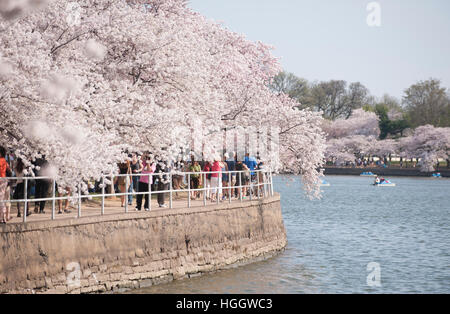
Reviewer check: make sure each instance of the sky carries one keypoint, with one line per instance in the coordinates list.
(331, 39)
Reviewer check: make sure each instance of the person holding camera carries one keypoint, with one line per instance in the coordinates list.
(148, 167)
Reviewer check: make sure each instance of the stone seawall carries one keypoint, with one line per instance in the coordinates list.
(135, 250)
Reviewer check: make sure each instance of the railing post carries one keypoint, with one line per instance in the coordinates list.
(218, 189)
(53, 199)
(113, 187)
(229, 185)
(126, 193)
(258, 184)
(150, 177)
(171, 193)
(204, 189)
(79, 200)
(103, 194)
(271, 183)
(251, 187)
(240, 186)
(265, 184)
(189, 190)
(25, 206)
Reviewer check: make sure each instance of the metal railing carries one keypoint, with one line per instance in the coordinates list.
(258, 183)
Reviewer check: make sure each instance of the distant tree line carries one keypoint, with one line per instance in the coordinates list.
(423, 103)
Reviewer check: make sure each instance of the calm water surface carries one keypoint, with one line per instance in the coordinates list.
(406, 229)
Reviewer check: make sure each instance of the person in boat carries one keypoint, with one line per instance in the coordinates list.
(377, 180)
(382, 180)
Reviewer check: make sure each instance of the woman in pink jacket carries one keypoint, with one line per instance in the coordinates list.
(149, 167)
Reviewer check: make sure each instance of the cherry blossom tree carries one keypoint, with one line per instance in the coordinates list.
(338, 153)
(384, 148)
(361, 122)
(84, 84)
(349, 148)
(429, 144)
(357, 137)
(350, 138)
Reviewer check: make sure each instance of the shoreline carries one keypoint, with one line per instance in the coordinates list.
(388, 172)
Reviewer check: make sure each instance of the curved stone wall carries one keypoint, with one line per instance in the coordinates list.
(135, 250)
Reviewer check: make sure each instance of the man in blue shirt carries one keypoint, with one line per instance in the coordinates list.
(251, 163)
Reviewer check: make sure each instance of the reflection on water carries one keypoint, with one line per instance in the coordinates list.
(406, 229)
(246, 279)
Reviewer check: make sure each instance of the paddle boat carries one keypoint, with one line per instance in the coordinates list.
(436, 175)
(386, 183)
(325, 183)
(368, 174)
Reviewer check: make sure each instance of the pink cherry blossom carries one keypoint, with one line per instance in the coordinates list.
(138, 75)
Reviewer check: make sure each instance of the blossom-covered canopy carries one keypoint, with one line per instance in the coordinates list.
(83, 82)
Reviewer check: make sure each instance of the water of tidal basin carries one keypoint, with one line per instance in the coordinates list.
(406, 229)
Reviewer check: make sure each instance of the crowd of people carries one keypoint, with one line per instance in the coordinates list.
(223, 177)
(220, 177)
(15, 189)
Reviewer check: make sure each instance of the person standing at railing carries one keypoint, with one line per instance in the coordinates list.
(251, 164)
(177, 177)
(163, 182)
(225, 178)
(19, 190)
(5, 171)
(61, 193)
(136, 168)
(207, 184)
(243, 178)
(123, 181)
(215, 179)
(195, 178)
(148, 167)
(42, 185)
(231, 164)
